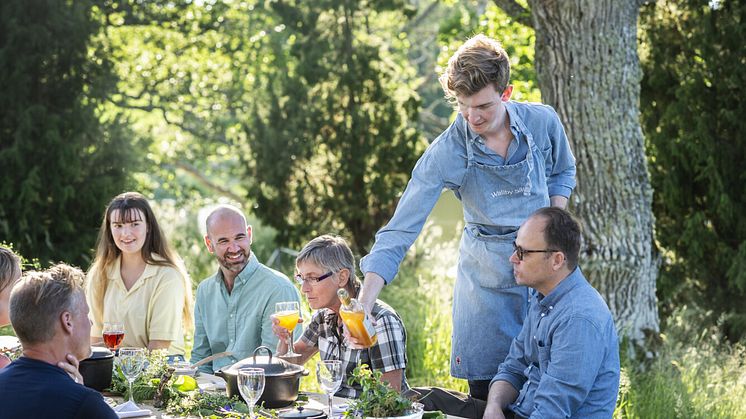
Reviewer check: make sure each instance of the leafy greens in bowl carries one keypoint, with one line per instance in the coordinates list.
(378, 399)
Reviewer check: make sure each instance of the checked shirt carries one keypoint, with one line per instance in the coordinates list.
(388, 354)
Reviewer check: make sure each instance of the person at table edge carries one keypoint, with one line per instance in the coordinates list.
(49, 314)
(565, 361)
(324, 265)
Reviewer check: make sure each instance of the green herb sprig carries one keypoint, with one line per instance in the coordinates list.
(377, 398)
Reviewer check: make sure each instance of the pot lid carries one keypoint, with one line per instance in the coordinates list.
(100, 352)
(271, 365)
(301, 413)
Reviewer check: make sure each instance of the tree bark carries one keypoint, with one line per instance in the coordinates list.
(589, 71)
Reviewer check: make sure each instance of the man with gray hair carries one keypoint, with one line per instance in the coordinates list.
(49, 314)
(234, 307)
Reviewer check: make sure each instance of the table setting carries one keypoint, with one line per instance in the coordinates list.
(138, 383)
(262, 386)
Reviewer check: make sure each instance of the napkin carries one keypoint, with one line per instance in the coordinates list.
(339, 408)
(131, 410)
(209, 382)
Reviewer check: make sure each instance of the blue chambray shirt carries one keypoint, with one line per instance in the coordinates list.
(444, 165)
(238, 322)
(565, 361)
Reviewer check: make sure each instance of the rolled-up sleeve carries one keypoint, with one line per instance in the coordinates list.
(560, 163)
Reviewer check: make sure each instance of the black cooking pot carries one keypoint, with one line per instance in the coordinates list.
(96, 369)
(281, 378)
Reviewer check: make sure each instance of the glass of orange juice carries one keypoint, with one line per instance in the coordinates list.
(288, 313)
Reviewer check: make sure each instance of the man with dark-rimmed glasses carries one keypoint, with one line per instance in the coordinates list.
(565, 361)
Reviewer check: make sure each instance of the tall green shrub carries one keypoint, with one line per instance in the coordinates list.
(693, 114)
(58, 164)
(335, 143)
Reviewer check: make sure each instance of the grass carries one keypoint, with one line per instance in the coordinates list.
(695, 375)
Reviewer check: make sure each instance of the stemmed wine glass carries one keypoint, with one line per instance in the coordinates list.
(113, 335)
(251, 386)
(329, 374)
(288, 313)
(131, 362)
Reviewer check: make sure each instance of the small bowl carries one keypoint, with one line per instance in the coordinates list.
(184, 368)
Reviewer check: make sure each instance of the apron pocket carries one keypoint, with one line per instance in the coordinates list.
(489, 258)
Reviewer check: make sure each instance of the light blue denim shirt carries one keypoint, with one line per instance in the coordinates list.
(444, 165)
(238, 322)
(565, 361)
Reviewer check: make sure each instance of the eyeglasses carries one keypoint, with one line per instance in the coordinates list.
(312, 280)
(521, 252)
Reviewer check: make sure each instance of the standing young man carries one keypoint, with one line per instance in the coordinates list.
(503, 160)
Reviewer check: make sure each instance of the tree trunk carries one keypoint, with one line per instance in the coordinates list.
(589, 71)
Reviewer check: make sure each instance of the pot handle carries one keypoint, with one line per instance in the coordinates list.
(269, 352)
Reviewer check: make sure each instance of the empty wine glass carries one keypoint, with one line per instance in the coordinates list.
(113, 334)
(288, 313)
(251, 386)
(131, 362)
(329, 373)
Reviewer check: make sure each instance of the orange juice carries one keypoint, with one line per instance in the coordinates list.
(288, 319)
(353, 316)
(359, 327)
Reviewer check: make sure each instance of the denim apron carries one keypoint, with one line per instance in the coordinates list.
(488, 306)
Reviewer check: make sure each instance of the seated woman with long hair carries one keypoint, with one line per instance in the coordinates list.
(323, 266)
(137, 279)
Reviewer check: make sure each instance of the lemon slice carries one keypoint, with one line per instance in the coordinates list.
(185, 383)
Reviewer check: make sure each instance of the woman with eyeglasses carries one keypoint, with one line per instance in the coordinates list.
(323, 266)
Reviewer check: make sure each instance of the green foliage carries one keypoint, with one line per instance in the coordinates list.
(59, 163)
(176, 402)
(692, 101)
(301, 109)
(695, 375)
(377, 398)
(145, 385)
(205, 404)
(518, 41)
(184, 224)
(335, 143)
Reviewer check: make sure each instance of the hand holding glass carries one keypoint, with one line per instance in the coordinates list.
(113, 335)
(329, 373)
(288, 313)
(131, 362)
(251, 386)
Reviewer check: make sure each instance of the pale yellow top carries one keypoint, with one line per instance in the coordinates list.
(151, 310)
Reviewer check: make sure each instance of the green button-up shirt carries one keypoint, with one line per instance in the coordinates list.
(238, 322)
